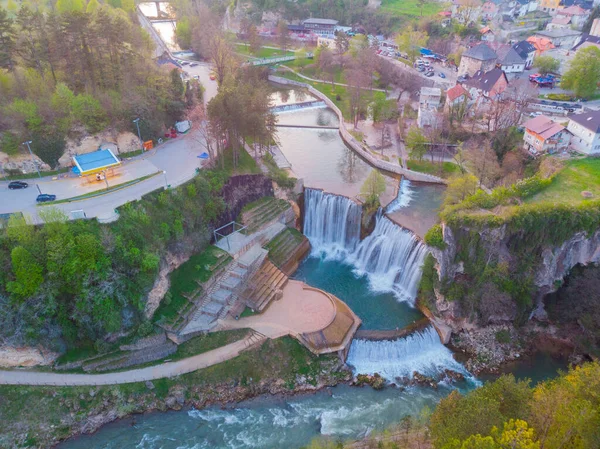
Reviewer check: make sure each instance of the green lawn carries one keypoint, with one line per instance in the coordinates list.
(246, 164)
(314, 72)
(443, 170)
(262, 53)
(337, 94)
(577, 176)
(411, 8)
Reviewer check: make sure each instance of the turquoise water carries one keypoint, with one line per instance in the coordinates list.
(267, 423)
(376, 310)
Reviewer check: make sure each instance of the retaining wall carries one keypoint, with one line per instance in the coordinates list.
(354, 144)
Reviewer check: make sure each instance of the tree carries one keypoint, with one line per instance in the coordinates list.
(482, 161)
(373, 187)
(222, 57)
(253, 39)
(382, 110)
(459, 188)
(584, 72)
(65, 6)
(342, 42)
(28, 274)
(93, 6)
(422, 3)
(416, 143)
(325, 62)
(283, 35)
(411, 41)
(546, 64)
(7, 41)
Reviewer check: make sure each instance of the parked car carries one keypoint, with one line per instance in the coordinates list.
(421, 69)
(18, 185)
(441, 75)
(535, 114)
(45, 197)
(183, 62)
(193, 64)
(213, 77)
(429, 74)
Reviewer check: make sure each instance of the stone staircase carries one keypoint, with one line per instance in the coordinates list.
(255, 339)
(223, 293)
(266, 285)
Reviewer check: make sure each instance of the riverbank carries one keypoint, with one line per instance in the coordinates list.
(43, 416)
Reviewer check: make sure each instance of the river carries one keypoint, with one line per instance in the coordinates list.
(377, 277)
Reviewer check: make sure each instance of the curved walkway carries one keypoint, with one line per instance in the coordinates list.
(328, 82)
(171, 369)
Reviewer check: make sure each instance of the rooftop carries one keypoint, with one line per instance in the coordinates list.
(574, 10)
(589, 120)
(481, 52)
(587, 38)
(553, 34)
(454, 92)
(321, 21)
(561, 20)
(507, 55)
(543, 126)
(523, 48)
(486, 81)
(95, 162)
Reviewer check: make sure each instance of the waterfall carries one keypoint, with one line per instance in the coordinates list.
(391, 257)
(296, 106)
(405, 194)
(420, 351)
(331, 222)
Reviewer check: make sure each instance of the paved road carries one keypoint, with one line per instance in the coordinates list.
(177, 157)
(444, 83)
(171, 369)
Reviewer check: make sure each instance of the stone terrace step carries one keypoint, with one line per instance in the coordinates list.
(212, 308)
(239, 272)
(253, 254)
(231, 283)
(221, 295)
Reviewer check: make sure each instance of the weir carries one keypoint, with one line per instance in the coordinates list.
(296, 106)
(403, 199)
(421, 351)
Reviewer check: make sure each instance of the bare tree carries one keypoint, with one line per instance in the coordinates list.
(482, 160)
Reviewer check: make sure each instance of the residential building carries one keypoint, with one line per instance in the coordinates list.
(523, 7)
(560, 38)
(526, 51)
(587, 40)
(466, 11)
(577, 15)
(559, 23)
(543, 135)
(489, 10)
(487, 85)
(487, 35)
(509, 60)
(585, 129)
(595, 31)
(549, 6)
(479, 58)
(541, 44)
(430, 97)
(322, 27)
(457, 95)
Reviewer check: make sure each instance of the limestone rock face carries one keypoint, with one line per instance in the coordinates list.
(497, 307)
(25, 356)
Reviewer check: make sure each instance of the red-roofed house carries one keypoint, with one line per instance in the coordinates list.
(487, 35)
(458, 101)
(541, 44)
(542, 135)
(559, 22)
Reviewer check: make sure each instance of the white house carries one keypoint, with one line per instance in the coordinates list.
(510, 61)
(585, 129)
(526, 51)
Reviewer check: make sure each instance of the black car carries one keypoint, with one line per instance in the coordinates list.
(18, 185)
(45, 197)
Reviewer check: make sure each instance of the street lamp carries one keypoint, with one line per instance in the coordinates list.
(137, 124)
(32, 158)
(166, 183)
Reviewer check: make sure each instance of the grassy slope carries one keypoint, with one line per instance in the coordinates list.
(246, 164)
(445, 170)
(185, 279)
(262, 53)
(410, 8)
(577, 176)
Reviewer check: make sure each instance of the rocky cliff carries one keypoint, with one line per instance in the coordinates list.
(487, 262)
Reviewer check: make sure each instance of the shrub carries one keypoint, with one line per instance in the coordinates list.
(435, 238)
(503, 336)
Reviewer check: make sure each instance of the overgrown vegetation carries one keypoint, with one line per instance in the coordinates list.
(68, 72)
(74, 282)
